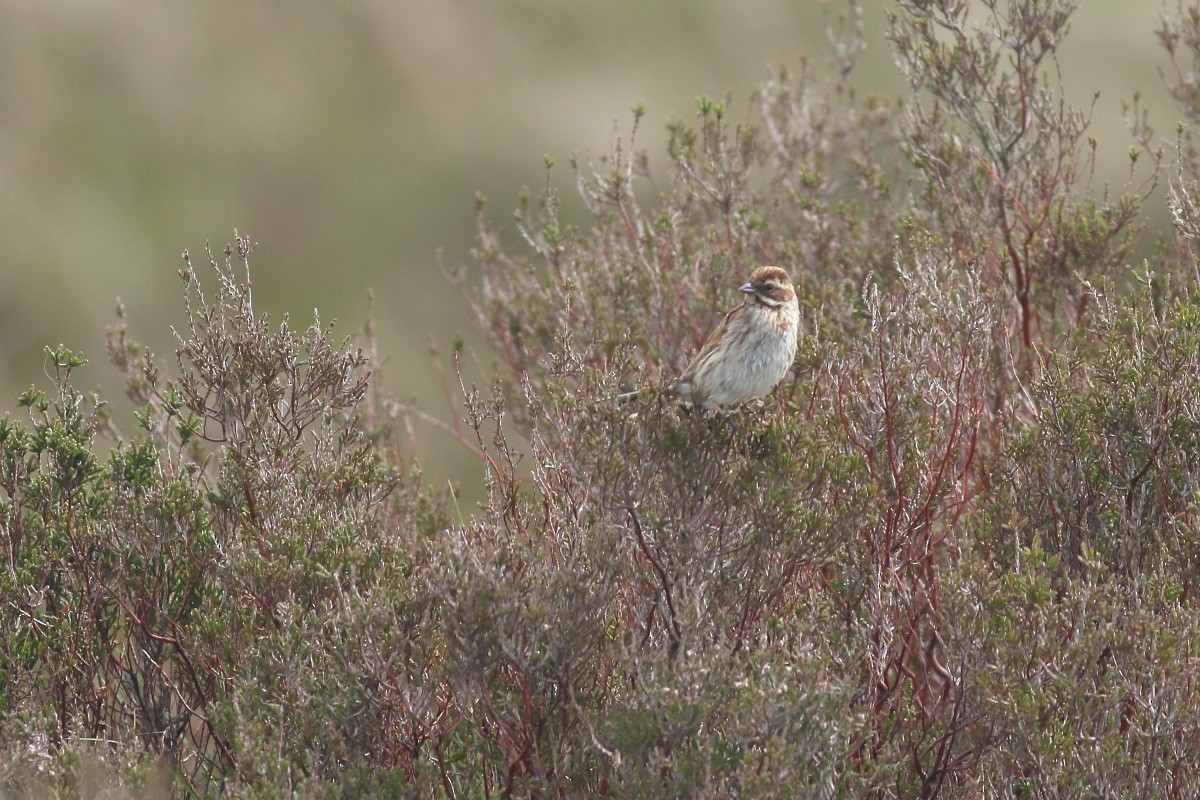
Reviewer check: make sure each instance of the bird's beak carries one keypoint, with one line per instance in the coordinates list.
(748, 288)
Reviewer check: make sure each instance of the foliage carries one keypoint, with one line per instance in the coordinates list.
(953, 554)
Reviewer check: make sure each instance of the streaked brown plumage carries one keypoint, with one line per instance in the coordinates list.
(751, 350)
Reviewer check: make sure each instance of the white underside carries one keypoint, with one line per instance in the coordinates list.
(748, 373)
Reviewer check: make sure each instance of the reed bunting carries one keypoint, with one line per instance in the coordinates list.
(750, 351)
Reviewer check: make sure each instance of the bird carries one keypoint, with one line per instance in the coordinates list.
(750, 351)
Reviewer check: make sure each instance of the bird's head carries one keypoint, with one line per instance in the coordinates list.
(770, 286)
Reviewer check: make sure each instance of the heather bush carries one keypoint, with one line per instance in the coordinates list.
(952, 555)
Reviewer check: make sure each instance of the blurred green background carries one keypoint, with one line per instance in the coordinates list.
(348, 139)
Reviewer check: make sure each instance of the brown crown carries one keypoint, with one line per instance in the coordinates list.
(766, 275)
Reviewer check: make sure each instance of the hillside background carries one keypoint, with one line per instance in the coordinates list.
(349, 141)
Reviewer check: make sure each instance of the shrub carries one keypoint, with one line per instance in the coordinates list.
(953, 554)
